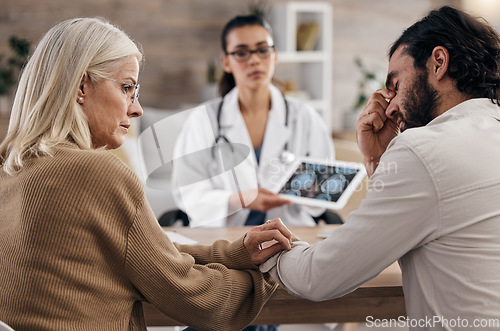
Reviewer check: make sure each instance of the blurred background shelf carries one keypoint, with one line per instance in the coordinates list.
(309, 70)
(302, 56)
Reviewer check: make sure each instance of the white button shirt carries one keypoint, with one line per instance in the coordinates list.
(434, 204)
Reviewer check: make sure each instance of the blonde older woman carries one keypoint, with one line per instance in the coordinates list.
(80, 248)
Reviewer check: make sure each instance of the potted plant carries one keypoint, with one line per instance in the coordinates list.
(10, 68)
(259, 8)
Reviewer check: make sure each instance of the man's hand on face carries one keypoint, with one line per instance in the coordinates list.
(376, 128)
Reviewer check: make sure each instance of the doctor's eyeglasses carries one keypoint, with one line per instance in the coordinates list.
(245, 55)
(128, 88)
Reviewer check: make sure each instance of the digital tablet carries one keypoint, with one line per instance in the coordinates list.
(327, 184)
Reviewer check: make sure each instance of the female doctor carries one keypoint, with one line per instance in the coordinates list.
(233, 151)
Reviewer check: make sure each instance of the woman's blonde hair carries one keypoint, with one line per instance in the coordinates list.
(45, 110)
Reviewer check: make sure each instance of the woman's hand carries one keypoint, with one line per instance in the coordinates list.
(374, 130)
(265, 240)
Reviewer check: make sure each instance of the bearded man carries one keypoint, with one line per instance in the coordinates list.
(431, 145)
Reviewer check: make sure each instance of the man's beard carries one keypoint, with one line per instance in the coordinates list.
(420, 103)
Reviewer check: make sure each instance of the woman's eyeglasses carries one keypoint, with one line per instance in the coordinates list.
(127, 87)
(245, 55)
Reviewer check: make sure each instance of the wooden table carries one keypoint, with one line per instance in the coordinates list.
(381, 297)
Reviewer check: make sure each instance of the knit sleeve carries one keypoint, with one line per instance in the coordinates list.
(207, 297)
(231, 254)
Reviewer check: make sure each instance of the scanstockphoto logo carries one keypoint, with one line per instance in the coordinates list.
(205, 171)
(431, 322)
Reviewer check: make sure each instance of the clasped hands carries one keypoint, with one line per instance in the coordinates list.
(265, 240)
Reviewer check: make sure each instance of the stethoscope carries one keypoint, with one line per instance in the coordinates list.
(286, 155)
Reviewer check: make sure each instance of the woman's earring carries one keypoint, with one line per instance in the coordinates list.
(80, 100)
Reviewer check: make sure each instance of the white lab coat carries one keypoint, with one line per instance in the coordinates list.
(203, 193)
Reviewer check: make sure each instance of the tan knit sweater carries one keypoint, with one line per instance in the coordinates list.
(80, 249)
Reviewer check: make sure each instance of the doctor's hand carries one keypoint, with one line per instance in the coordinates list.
(265, 240)
(266, 200)
(261, 200)
(374, 130)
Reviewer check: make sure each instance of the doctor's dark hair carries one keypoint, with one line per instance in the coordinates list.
(473, 46)
(227, 81)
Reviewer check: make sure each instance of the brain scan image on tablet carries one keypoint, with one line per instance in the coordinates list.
(319, 183)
